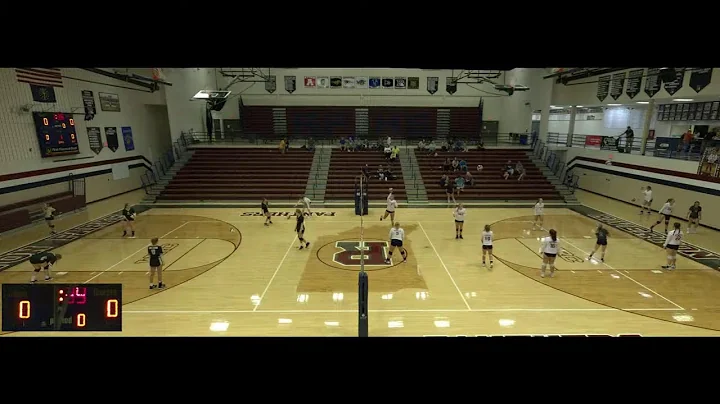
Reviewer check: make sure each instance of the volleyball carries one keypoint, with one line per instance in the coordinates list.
(479, 167)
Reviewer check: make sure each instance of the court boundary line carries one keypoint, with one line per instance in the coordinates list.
(131, 255)
(445, 267)
(282, 261)
(625, 275)
(393, 311)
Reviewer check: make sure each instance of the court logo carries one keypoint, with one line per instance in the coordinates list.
(275, 214)
(372, 253)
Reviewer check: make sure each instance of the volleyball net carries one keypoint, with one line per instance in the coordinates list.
(360, 196)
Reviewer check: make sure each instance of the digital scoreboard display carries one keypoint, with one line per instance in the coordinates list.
(56, 133)
(56, 307)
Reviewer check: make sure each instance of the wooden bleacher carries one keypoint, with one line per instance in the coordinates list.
(304, 122)
(241, 174)
(489, 184)
(346, 166)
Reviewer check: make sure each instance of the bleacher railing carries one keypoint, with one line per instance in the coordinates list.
(618, 144)
(160, 167)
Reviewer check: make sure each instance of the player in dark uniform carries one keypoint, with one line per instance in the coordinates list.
(155, 253)
(601, 235)
(266, 211)
(694, 215)
(45, 261)
(300, 228)
(129, 220)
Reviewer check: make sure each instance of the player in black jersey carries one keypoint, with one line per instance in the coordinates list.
(129, 220)
(266, 211)
(694, 215)
(300, 228)
(155, 253)
(45, 261)
(601, 234)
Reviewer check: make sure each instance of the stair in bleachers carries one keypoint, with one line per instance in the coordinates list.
(317, 180)
(362, 122)
(241, 173)
(345, 167)
(489, 183)
(443, 123)
(565, 192)
(279, 122)
(414, 185)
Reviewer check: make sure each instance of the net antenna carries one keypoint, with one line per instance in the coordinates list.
(363, 309)
(362, 227)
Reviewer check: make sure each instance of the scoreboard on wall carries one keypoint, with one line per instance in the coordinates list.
(56, 133)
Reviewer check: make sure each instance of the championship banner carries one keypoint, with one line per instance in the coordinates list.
(617, 84)
(450, 85)
(672, 87)
(432, 84)
(95, 139)
(290, 83)
(310, 82)
(699, 79)
(128, 138)
(112, 138)
(603, 87)
(89, 103)
(633, 82)
(271, 84)
(652, 81)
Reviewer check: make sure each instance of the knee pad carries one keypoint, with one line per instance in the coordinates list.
(671, 257)
(543, 266)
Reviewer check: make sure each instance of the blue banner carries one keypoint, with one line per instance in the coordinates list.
(128, 138)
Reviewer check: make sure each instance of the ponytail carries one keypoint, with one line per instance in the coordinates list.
(487, 227)
(553, 234)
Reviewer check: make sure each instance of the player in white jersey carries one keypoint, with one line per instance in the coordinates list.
(539, 211)
(647, 198)
(672, 243)
(487, 244)
(49, 213)
(459, 215)
(397, 235)
(665, 213)
(390, 209)
(550, 248)
(305, 202)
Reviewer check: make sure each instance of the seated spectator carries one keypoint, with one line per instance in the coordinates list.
(389, 175)
(446, 165)
(381, 173)
(343, 141)
(388, 141)
(455, 164)
(463, 165)
(421, 145)
(432, 147)
(311, 144)
(395, 152)
(446, 146)
(282, 146)
(351, 144)
(444, 181)
(508, 170)
(469, 179)
(521, 172)
(387, 152)
(459, 183)
(364, 144)
(458, 145)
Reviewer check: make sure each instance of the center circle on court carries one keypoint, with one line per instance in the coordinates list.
(344, 254)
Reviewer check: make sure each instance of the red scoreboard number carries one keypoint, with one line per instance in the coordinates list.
(76, 296)
(60, 117)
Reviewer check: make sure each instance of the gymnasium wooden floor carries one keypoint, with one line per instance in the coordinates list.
(230, 275)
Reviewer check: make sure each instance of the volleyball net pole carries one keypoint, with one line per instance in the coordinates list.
(362, 278)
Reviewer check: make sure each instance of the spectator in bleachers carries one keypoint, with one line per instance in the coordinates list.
(521, 172)
(387, 152)
(364, 144)
(351, 146)
(381, 173)
(310, 144)
(459, 183)
(388, 141)
(395, 152)
(444, 180)
(455, 164)
(458, 146)
(446, 146)
(343, 141)
(469, 179)
(282, 146)
(446, 165)
(687, 139)
(508, 170)
(432, 147)
(463, 165)
(421, 145)
(389, 175)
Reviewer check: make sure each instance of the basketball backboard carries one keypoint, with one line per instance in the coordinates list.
(211, 95)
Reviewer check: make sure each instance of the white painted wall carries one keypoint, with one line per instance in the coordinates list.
(612, 122)
(627, 189)
(144, 112)
(586, 94)
(183, 112)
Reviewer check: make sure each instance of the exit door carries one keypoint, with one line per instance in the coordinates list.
(489, 132)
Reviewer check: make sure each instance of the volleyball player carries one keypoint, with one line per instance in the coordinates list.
(694, 215)
(155, 252)
(49, 212)
(487, 245)
(397, 235)
(305, 202)
(672, 243)
(300, 228)
(601, 235)
(550, 248)
(129, 220)
(459, 215)
(665, 212)
(539, 211)
(44, 261)
(265, 206)
(647, 200)
(390, 210)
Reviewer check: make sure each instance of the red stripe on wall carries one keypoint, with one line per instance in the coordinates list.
(28, 174)
(678, 174)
